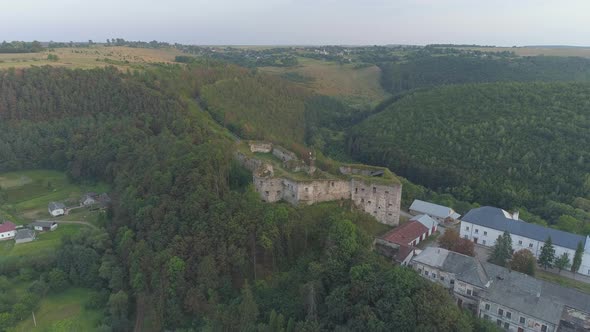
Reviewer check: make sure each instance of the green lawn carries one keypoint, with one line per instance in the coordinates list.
(45, 243)
(27, 193)
(561, 280)
(63, 312)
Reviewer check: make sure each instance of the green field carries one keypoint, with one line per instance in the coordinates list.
(44, 244)
(63, 312)
(353, 85)
(25, 194)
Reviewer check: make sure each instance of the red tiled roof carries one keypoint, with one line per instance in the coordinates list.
(403, 253)
(406, 233)
(7, 227)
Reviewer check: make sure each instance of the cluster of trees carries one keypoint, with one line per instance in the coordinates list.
(21, 47)
(180, 243)
(434, 70)
(524, 261)
(246, 57)
(452, 240)
(513, 145)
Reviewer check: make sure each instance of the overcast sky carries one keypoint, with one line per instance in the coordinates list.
(288, 22)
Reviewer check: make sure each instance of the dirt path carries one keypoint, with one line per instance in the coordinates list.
(73, 222)
(139, 314)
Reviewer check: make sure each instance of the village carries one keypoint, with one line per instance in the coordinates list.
(28, 233)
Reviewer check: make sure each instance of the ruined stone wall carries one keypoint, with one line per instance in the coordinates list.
(269, 188)
(250, 164)
(282, 154)
(380, 201)
(263, 147)
(311, 192)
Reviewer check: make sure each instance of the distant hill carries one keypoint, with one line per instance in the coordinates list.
(429, 71)
(506, 144)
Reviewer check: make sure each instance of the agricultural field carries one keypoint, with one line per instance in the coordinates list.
(534, 51)
(90, 57)
(65, 311)
(24, 195)
(353, 85)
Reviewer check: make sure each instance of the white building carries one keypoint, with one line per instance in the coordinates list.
(56, 209)
(483, 226)
(7, 230)
(44, 226)
(438, 212)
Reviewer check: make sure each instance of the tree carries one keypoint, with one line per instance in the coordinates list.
(502, 250)
(465, 247)
(248, 309)
(449, 239)
(562, 262)
(58, 280)
(547, 254)
(524, 261)
(577, 262)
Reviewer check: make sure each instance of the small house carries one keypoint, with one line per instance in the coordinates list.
(428, 222)
(44, 226)
(438, 212)
(408, 234)
(88, 199)
(7, 231)
(24, 235)
(56, 209)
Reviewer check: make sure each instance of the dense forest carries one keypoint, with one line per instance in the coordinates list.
(20, 47)
(512, 145)
(433, 70)
(188, 245)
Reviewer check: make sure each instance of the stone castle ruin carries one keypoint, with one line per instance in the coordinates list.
(278, 174)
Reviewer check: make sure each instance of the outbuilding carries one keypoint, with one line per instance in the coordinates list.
(7, 230)
(56, 209)
(24, 235)
(44, 226)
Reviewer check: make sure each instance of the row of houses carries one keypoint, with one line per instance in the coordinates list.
(512, 300)
(9, 230)
(90, 200)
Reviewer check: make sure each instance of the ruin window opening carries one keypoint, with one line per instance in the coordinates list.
(374, 190)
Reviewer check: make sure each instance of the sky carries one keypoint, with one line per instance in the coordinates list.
(301, 22)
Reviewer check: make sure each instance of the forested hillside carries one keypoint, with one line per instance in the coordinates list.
(188, 245)
(433, 70)
(513, 145)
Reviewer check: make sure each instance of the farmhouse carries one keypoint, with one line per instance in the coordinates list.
(483, 225)
(88, 199)
(44, 226)
(24, 235)
(409, 234)
(438, 212)
(56, 209)
(7, 230)
(512, 300)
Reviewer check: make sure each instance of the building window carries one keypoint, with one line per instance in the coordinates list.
(487, 306)
(500, 312)
(266, 193)
(434, 276)
(306, 189)
(374, 190)
(522, 320)
(543, 328)
(520, 242)
(419, 271)
(442, 278)
(368, 202)
(469, 292)
(452, 281)
(362, 200)
(520, 329)
(386, 192)
(474, 293)
(530, 245)
(506, 326)
(508, 315)
(426, 273)
(486, 317)
(485, 233)
(499, 322)
(466, 228)
(476, 231)
(465, 236)
(356, 190)
(483, 242)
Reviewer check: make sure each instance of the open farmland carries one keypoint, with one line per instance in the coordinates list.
(354, 85)
(90, 57)
(537, 50)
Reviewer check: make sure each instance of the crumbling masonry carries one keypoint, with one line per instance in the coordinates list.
(285, 177)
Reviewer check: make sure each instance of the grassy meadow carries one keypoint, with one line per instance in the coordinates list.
(354, 85)
(91, 57)
(24, 195)
(63, 312)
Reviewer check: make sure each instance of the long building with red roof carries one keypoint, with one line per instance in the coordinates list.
(7, 230)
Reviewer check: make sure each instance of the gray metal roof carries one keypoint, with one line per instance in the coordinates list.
(56, 205)
(43, 223)
(24, 233)
(465, 268)
(432, 209)
(495, 218)
(532, 296)
(425, 220)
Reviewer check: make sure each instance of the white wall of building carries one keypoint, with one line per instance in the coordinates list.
(487, 237)
(7, 235)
